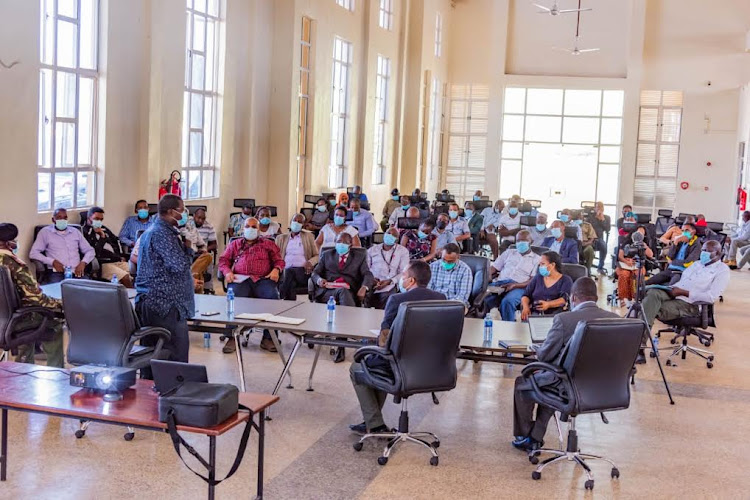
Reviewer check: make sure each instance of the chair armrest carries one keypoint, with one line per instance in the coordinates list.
(10, 337)
(147, 331)
(539, 366)
(382, 352)
(549, 398)
(162, 335)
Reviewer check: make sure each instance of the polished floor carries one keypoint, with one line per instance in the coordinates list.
(697, 448)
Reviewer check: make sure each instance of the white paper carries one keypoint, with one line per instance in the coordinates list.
(240, 278)
(258, 316)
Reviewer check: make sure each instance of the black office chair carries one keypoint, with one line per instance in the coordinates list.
(15, 329)
(420, 358)
(539, 250)
(480, 270)
(575, 271)
(104, 330)
(377, 238)
(692, 325)
(594, 378)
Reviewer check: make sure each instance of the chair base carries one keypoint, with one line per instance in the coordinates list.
(572, 454)
(683, 349)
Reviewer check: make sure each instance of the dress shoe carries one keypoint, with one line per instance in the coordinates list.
(340, 355)
(230, 346)
(267, 345)
(359, 428)
(527, 444)
(641, 359)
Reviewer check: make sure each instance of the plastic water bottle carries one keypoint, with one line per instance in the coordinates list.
(206, 340)
(68, 272)
(488, 328)
(656, 343)
(230, 302)
(331, 307)
(114, 279)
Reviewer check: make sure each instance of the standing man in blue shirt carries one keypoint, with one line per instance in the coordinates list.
(138, 222)
(164, 282)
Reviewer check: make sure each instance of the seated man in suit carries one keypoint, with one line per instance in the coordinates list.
(529, 432)
(413, 287)
(31, 296)
(343, 275)
(59, 246)
(567, 248)
(681, 255)
(451, 277)
(300, 255)
(107, 248)
(258, 262)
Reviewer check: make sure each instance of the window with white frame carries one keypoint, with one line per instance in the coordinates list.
(438, 35)
(347, 4)
(201, 125)
(342, 61)
(382, 81)
(434, 140)
(467, 141)
(68, 86)
(562, 146)
(658, 155)
(304, 100)
(385, 20)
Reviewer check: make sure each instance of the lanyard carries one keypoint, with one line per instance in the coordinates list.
(388, 262)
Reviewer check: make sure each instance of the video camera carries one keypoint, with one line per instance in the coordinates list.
(637, 249)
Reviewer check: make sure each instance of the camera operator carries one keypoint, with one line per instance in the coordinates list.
(627, 267)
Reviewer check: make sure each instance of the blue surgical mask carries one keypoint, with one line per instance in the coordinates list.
(250, 233)
(687, 234)
(342, 248)
(401, 287)
(332, 202)
(453, 214)
(143, 213)
(15, 250)
(705, 257)
(543, 271)
(477, 198)
(513, 211)
(183, 220)
(468, 213)
(295, 226)
(389, 239)
(338, 220)
(97, 224)
(422, 235)
(355, 213)
(395, 198)
(448, 265)
(322, 208)
(541, 227)
(265, 221)
(578, 222)
(556, 232)
(405, 205)
(61, 224)
(630, 215)
(565, 218)
(523, 246)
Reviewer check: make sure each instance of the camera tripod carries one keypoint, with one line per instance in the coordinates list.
(636, 312)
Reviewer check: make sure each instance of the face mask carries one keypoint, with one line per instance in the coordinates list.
(577, 222)
(687, 234)
(469, 213)
(523, 246)
(441, 224)
(448, 265)
(705, 257)
(541, 227)
(395, 198)
(295, 226)
(143, 213)
(453, 214)
(183, 220)
(332, 202)
(322, 208)
(405, 206)
(389, 239)
(556, 232)
(338, 220)
(97, 224)
(401, 286)
(564, 218)
(244, 216)
(513, 211)
(355, 213)
(250, 233)
(497, 210)
(421, 234)
(15, 250)
(543, 271)
(342, 248)
(61, 224)
(630, 215)
(265, 221)
(477, 198)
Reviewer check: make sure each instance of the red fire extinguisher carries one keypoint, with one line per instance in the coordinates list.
(741, 198)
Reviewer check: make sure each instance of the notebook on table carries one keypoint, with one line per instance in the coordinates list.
(539, 327)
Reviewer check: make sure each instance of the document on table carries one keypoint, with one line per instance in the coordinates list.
(270, 318)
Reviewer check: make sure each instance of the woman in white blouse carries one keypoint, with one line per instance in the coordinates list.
(328, 233)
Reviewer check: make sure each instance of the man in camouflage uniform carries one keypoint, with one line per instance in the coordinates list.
(31, 295)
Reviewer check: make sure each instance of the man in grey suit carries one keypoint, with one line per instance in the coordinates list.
(529, 433)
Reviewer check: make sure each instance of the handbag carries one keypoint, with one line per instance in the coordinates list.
(200, 404)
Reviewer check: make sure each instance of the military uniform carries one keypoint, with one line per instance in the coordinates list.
(31, 295)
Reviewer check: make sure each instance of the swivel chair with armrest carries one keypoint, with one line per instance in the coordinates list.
(594, 378)
(480, 271)
(104, 330)
(20, 325)
(575, 271)
(420, 357)
(692, 325)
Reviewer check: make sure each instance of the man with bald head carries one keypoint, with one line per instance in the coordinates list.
(59, 246)
(300, 254)
(386, 261)
(252, 266)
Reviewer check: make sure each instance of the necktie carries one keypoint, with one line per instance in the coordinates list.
(342, 261)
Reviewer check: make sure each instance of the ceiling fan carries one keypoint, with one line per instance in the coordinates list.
(556, 11)
(577, 51)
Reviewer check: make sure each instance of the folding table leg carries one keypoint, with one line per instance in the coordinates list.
(4, 445)
(237, 334)
(275, 338)
(288, 364)
(312, 369)
(261, 449)
(212, 465)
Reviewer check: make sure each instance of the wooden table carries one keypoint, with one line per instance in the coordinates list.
(47, 391)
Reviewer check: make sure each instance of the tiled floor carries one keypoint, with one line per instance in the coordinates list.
(697, 448)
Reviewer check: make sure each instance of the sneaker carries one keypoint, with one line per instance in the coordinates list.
(359, 428)
(230, 346)
(340, 355)
(267, 345)
(527, 444)
(602, 271)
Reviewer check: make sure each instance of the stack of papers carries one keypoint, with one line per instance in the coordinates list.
(270, 318)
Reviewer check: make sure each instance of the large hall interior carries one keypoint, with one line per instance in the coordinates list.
(218, 190)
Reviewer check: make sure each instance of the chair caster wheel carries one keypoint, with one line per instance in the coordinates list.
(589, 485)
(310, 346)
(536, 475)
(534, 459)
(435, 444)
(244, 343)
(434, 461)
(80, 434)
(382, 460)
(673, 341)
(710, 365)
(652, 354)
(129, 436)
(669, 362)
(357, 446)
(615, 473)
(707, 343)
(710, 358)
